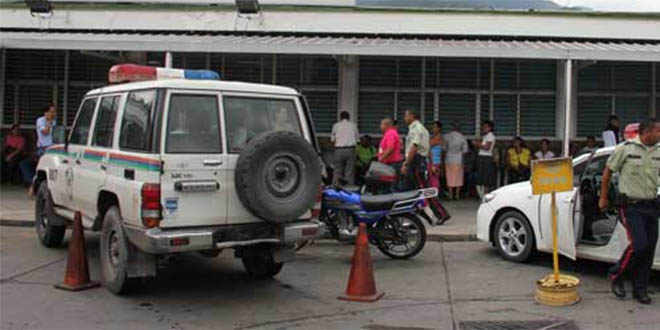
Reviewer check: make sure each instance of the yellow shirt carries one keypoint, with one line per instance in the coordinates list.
(516, 159)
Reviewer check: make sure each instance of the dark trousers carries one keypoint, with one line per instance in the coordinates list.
(416, 178)
(641, 223)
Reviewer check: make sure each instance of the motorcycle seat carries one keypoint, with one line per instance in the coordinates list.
(386, 201)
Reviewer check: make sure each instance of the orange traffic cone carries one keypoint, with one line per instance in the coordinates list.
(77, 269)
(361, 284)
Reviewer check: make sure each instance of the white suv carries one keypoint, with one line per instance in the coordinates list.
(169, 166)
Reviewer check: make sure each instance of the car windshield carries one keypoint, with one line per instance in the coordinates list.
(247, 117)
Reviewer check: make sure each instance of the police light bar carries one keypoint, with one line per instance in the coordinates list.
(121, 73)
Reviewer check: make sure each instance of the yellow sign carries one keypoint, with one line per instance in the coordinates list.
(552, 175)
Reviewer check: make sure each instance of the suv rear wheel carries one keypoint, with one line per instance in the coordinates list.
(114, 253)
(260, 264)
(50, 235)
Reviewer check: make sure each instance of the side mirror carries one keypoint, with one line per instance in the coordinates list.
(60, 136)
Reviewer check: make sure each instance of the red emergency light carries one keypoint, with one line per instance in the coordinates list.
(122, 73)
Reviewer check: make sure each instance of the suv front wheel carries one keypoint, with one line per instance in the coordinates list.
(260, 264)
(50, 235)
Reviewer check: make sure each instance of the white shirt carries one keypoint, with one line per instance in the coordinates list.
(44, 140)
(609, 138)
(344, 134)
(548, 155)
(490, 137)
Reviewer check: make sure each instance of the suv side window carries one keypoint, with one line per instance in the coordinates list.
(193, 124)
(247, 117)
(134, 133)
(105, 121)
(80, 132)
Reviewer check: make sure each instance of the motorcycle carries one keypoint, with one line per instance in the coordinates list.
(393, 222)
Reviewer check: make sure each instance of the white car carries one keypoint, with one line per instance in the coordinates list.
(517, 223)
(166, 166)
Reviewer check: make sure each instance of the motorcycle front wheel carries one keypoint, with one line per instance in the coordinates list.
(401, 236)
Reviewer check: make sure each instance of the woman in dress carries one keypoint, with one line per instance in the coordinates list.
(486, 168)
(455, 146)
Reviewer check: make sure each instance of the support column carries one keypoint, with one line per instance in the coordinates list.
(2, 86)
(168, 59)
(349, 85)
(654, 93)
(65, 93)
(569, 108)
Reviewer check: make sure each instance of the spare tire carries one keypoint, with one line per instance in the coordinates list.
(277, 176)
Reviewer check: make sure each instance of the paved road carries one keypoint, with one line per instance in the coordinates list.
(447, 286)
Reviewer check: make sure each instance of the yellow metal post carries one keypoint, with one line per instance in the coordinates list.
(555, 255)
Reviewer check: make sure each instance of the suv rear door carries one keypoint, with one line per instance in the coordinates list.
(247, 115)
(193, 188)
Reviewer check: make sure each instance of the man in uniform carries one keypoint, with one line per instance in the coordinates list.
(638, 161)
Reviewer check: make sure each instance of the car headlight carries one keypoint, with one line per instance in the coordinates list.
(489, 197)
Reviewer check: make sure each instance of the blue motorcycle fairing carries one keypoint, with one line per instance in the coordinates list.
(338, 199)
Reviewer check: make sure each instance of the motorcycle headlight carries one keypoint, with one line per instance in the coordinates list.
(489, 197)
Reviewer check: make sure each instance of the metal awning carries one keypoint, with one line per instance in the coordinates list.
(334, 45)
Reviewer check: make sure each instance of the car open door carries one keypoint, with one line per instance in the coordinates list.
(566, 202)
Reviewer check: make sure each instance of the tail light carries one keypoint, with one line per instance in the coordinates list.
(151, 209)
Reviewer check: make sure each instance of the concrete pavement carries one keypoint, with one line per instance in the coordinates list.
(17, 209)
(457, 285)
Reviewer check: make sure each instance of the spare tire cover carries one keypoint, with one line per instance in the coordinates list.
(277, 176)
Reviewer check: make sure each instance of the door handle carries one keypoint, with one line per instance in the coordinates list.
(65, 161)
(212, 162)
(78, 161)
(102, 167)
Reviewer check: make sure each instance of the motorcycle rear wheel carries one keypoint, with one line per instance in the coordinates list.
(401, 236)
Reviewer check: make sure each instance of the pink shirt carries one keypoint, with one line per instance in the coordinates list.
(15, 141)
(391, 140)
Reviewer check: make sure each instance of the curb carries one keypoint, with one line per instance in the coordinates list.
(452, 237)
(17, 223)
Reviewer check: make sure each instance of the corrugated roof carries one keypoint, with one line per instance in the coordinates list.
(335, 45)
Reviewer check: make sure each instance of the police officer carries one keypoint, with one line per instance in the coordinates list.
(638, 161)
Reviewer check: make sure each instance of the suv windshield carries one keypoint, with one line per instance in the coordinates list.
(247, 117)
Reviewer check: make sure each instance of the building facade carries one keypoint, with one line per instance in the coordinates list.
(527, 79)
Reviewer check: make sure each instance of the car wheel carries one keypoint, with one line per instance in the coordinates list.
(114, 253)
(277, 176)
(260, 264)
(514, 237)
(50, 235)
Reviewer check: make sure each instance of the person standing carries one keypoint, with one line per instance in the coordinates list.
(637, 161)
(590, 147)
(486, 169)
(545, 152)
(612, 132)
(44, 125)
(389, 149)
(344, 137)
(13, 150)
(365, 153)
(518, 161)
(416, 150)
(455, 147)
(436, 169)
